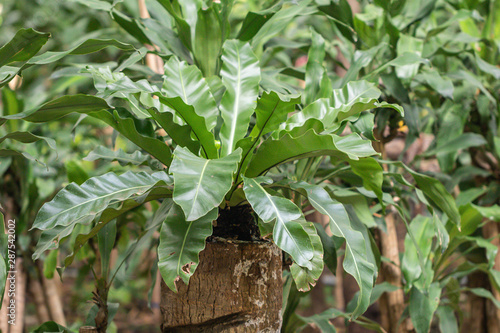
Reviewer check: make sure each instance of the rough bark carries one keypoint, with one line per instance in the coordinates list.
(237, 287)
(87, 329)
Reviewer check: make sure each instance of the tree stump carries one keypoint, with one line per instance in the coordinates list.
(237, 287)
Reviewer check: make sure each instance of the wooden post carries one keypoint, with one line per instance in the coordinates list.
(236, 288)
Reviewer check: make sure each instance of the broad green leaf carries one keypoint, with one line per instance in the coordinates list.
(289, 233)
(183, 27)
(443, 86)
(278, 22)
(408, 45)
(123, 122)
(447, 320)
(359, 60)
(253, 22)
(435, 191)
(306, 278)
(208, 41)
(75, 172)
(423, 231)
(106, 240)
(372, 174)
(201, 184)
(81, 204)
(315, 72)
(272, 110)
(51, 326)
(351, 100)
(50, 264)
(103, 153)
(240, 75)
(181, 242)
(96, 4)
(97, 108)
(486, 294)
(329, 248)
(289, 148)
(88, 46)
(27, 137)
(188, 83)
(355, 261)
(22, 47)
(321, 321)
(464, 141)
(110, 213)
(60, 107)
(197, 123)
(180, 134)
(487, 67)
(422, 306)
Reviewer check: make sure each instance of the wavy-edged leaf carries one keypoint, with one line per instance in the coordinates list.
(208, 41)
(272, 110)
(60, 107)
(23, 46)
(201, 184)
(104, 153)
(289, 233)
(180, 134)
(120, 119)
(240, 75)
(318, 84)
(435, 191)
(88, 46)
(196, 122)
(253, 22)
(81, 204)
(305, 278)
(355, 261)
(422, 306)
(110, 213)
(415, 255)
(27, 137)
(187, 82)
(309, 144)
(278, 22)
(181, 242)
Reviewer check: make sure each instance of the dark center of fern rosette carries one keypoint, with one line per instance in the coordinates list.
(236, 223)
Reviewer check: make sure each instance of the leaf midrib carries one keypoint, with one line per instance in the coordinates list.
(97, 198)
(198, 187)
(236, 104)
(346, 241)
(279, 218)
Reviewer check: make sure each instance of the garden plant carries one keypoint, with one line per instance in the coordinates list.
(232, 151)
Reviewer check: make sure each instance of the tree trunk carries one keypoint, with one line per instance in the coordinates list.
(237, 287)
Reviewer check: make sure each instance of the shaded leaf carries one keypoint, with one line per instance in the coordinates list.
(289, 233)
(181, 242)
(355, 261)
